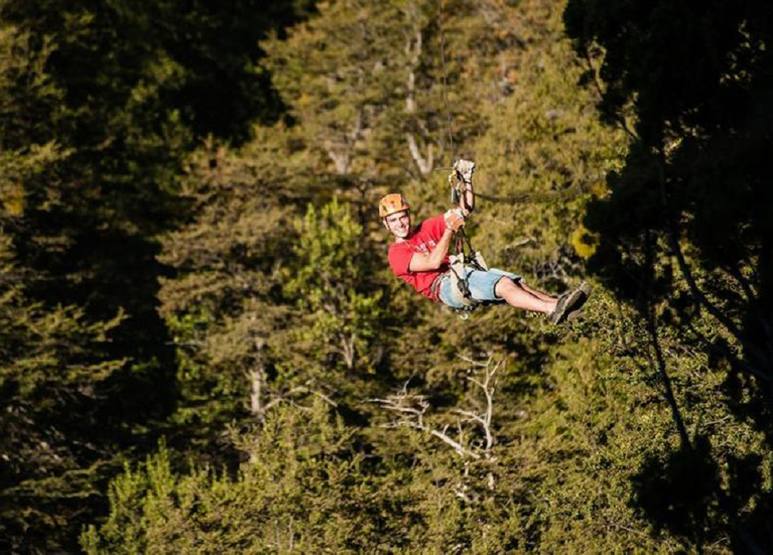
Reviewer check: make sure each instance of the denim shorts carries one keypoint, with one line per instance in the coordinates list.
(481, 283)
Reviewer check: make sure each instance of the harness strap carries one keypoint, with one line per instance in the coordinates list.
(455, 268)
(462, 251)
(435, 287)
(460, 279)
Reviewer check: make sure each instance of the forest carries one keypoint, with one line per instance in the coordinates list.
(202, 347)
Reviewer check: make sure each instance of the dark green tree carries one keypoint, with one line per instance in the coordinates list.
(100, 103)
(55, 382)
(56, 367)
(320, 404)
(685, 232)
(693, 191)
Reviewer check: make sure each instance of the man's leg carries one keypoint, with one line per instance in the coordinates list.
(536, 292)
(519, 297)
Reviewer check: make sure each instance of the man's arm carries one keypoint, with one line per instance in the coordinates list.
(427, 262)
(421, 262)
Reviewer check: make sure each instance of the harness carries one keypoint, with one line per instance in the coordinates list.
(462, 252)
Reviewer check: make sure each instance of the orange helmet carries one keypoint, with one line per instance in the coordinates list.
(391, 203)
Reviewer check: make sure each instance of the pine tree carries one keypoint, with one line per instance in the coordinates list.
(55, 364)
(333, 285)
(225, 300)
(55, 374)
(364, 419)
(683, 236)
(303, 489)
(96, 120)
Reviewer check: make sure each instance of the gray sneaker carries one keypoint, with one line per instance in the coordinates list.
(576, 310)
(572, 302)
(560, 310)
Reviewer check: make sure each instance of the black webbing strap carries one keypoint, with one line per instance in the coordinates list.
(463, 282)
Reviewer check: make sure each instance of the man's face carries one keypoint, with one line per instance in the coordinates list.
(399, 224)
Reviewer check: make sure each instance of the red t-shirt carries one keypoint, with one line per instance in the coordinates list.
(423, 240)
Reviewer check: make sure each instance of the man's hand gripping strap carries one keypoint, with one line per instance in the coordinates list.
(454, 219)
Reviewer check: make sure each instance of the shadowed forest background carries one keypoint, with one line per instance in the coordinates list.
(201, 346)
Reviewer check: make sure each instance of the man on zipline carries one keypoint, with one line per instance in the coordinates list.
(419, 256)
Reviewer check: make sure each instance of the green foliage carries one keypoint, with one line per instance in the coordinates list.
(94, 130)
(224, 302)
(384, 90)
(545, 155)
(333, 285)
(683, 233)
(302, 490)
(55, 372)
(329, 71)
(189, 249)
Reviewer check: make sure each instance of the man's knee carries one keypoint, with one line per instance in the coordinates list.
(503, 285)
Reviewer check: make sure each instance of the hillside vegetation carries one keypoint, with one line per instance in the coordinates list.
(202, 349)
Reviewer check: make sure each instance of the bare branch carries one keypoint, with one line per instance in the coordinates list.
(409, 410)
(413, 50)
(456, 446)
(409, 415)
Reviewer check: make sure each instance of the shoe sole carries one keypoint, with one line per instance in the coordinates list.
(555, 316)
(573, 312)
(574, 303)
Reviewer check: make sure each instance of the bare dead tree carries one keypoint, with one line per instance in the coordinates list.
(261, 401)
(409, 410)
(486, 385)
(413, 51)
(257, 378)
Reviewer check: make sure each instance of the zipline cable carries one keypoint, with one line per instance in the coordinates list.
(448, 122)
